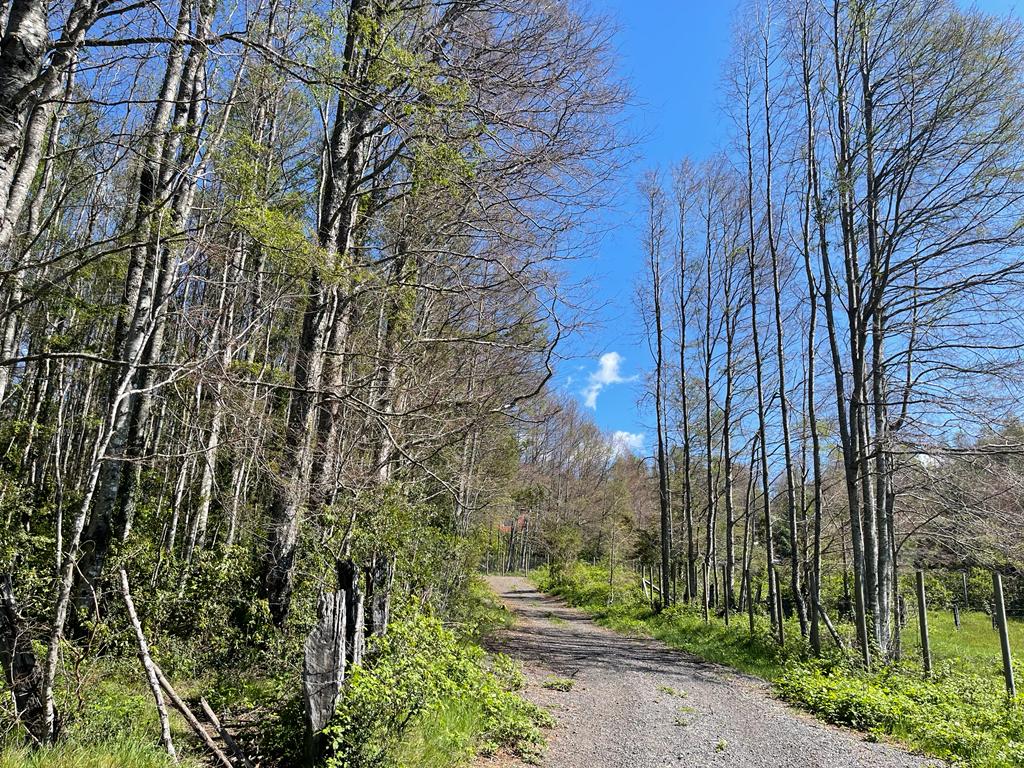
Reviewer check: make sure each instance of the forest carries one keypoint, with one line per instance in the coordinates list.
(288, 290)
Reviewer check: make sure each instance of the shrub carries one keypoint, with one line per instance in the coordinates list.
(417, 674)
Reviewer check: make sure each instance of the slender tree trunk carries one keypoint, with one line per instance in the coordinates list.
(687, 500)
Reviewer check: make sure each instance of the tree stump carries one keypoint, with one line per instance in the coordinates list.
(323, 666)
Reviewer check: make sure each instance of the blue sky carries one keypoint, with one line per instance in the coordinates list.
(671, 52)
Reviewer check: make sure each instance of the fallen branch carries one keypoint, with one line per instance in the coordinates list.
(191, 719)
(150, 666)
(227, 737)
(836, 638)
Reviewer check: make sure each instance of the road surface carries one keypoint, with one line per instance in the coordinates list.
(637, 703)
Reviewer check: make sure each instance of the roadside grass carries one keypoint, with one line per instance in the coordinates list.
(444, 737)
(960, 714)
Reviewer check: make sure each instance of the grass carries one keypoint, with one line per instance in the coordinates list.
(563, 684)
(975, 644)
(444, 737)
(960, 714)
(672, 691)
(114, 724)
(113, 754)
(116, 727)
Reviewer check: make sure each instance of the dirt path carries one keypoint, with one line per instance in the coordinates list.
(639, 704)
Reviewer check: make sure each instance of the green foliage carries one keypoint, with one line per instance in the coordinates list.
(475, 612)
(206, 619)
(508, 672)
(419, 675)
(843, 699)
(444, 736)
(439, 165)
(113, 754)
(563, 543)
(284, 235)
(387, 518)
(284, 732)
(956, 716)
(946, 587)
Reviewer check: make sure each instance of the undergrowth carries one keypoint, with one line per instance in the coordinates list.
(425, 698)
(112, 754)
(115, 726)
(960, 714)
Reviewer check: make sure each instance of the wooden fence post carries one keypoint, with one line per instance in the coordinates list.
(956, 616)
(706, 617)
(1004, 633)
(727, 595)
(750, 599)
(778, 607)
(922, 617)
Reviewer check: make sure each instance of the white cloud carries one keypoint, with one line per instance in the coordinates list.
(623, 442)
(607, 373)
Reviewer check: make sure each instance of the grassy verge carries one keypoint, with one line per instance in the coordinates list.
(429, 697)
(110, 755)
(960, 713)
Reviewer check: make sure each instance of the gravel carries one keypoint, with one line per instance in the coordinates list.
(637, 703)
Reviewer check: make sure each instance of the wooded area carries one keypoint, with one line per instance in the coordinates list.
(832, 311)
(850, 277)
(833, 317)
(283, 290)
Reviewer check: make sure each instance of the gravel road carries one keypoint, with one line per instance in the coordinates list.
(640, 704)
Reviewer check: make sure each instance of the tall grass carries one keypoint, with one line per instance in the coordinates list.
(113, 725)
(444, 737)
(111, 754)
(975, 644)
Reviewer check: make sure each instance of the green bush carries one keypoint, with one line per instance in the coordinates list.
(843, 700)
(418, 674)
